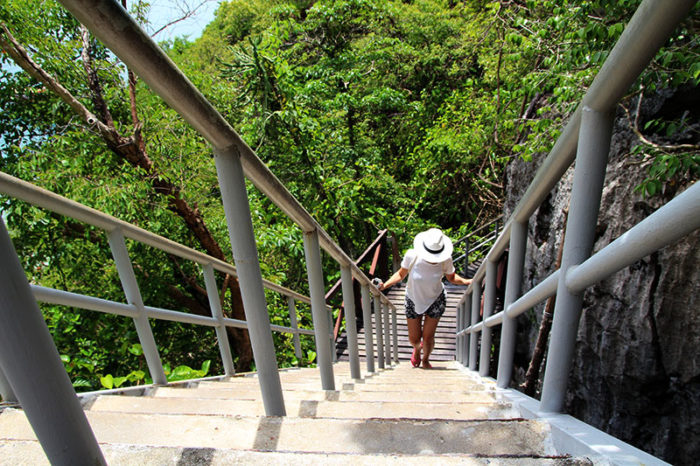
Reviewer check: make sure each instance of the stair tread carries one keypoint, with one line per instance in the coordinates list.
(309, 408)
(17, 452)
(493, 437)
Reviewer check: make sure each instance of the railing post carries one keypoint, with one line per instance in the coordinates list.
(516, 261)
(331, 337)
(474, 336)
(460, 327)
(466, 257)
(467, 323)
(318, 309)
(367, 318)
(217, 313)
(6, 392)
(379, 328)
(245, 257)
(489, 304)
(395, 335)
(294, 324)
(133, 297)
(350, 320)
(464, 342)
(589, 175)
(387, 335)
(28, 357)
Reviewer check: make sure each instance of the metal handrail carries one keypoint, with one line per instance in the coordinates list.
(91, 303)
(482, 227)
(478, 247)
(374, 247)
(40, 197)
(650, 26)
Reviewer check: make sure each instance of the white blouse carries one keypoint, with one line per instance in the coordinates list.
(424, 279)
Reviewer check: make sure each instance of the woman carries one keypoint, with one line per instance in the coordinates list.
(425, 264)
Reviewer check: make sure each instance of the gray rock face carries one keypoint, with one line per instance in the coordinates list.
(636, 372)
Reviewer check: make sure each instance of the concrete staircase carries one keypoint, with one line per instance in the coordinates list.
(401, 415)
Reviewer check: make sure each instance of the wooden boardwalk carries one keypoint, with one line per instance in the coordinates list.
(444, 337)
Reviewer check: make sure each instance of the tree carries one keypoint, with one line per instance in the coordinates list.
(102, 115)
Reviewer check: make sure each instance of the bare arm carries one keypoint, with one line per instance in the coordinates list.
(394, 279)
(457, 280)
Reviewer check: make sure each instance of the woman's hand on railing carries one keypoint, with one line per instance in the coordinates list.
(393, 280)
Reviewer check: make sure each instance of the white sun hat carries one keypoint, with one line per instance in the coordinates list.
(432, 245)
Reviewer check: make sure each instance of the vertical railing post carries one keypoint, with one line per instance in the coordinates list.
(589, 175)
(367, 318)
(395, 335)
(295, 325)
(467, 323)
(318, 309)
(245, 257)
(133, 297)
(350, 320)
(460, 327)
(516, 261)
(387, 335)
(489, 304)
(6, 392)
(466, 257)
(29, 358)
(217, 313)
(331, 336)
(474, 336)
(379, 328)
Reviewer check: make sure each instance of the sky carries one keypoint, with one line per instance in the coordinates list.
(164, 11)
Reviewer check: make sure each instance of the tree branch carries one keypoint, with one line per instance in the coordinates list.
(24, 61)
(187, 13)
(93, 81)
(634, 122)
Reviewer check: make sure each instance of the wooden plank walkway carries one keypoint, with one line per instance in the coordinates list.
(444, 337)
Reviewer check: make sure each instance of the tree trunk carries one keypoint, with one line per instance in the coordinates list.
(529, 387)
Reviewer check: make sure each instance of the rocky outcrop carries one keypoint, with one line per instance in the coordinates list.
(636, 372)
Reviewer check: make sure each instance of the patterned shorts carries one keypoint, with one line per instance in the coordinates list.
(436, 310)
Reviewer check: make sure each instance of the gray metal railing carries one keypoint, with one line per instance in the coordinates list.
(585, 140)
(54, 411)
(481, 248)
(117, 231)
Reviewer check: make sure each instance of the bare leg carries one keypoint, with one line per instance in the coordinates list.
(428, 339)
(414, 336)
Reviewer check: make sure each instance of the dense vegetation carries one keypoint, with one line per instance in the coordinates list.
(375, 114)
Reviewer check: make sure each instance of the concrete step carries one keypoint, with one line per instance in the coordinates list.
(369, 436)
(307, 408)
(358, 385)
(458, 396)
(29, 453)
(391, 382)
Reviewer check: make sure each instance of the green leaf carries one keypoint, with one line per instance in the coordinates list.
(107, 381)
(82, 383)
(311, 356)
(205, 368)
(136, 349)
(118, 381)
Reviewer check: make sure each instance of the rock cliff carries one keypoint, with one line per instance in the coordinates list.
(636, 373)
